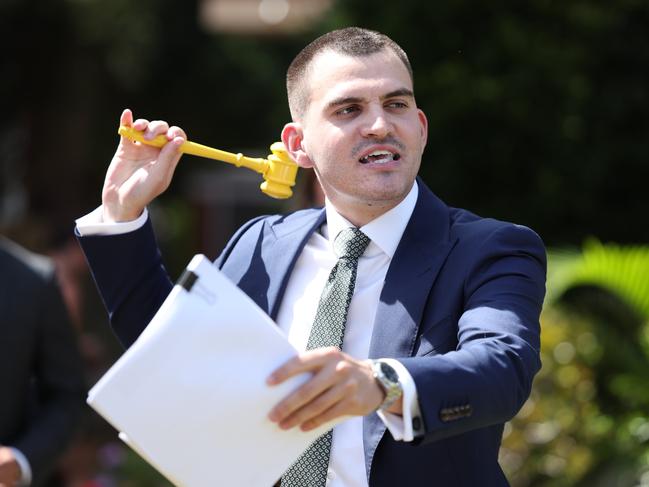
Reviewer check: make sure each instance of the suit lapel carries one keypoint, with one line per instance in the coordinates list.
(418, 259)
(263, 272)
(281, 252)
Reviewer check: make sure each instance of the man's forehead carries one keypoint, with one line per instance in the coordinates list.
(334, 75)
(335, 62)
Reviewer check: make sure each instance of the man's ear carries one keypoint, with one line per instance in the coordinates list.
(423, 122)
(293, 140)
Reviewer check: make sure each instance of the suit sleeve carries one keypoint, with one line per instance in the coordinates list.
(131, 277)
(59, 386)
(488, 377)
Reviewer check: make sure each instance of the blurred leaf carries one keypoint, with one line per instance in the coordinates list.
(623, 270)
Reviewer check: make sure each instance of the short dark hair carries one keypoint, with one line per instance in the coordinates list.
(352, 41)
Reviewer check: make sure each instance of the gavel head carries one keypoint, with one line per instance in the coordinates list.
(280, 175)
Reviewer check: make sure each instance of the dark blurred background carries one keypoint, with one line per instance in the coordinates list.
(538, 111)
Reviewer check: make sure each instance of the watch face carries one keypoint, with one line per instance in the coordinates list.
(389, 372)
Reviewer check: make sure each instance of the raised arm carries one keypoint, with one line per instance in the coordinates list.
(124, 259)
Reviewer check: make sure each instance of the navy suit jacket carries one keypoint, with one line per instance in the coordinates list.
(459, 308)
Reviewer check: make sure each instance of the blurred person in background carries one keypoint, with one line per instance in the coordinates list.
(41, 374)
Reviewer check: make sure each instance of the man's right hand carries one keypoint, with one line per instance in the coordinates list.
(138, 172)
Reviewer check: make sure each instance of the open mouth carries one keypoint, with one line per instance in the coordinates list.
(380, 157)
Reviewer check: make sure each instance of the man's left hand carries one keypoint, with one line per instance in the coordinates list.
(340, 386)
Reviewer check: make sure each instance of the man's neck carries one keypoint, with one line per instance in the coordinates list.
(362, 214)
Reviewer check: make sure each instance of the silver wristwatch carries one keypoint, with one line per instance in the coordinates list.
(388, 379)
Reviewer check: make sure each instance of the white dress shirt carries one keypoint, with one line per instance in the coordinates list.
(299, 306)
(298, 309)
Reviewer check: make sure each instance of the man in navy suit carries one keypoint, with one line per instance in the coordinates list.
(441, 341)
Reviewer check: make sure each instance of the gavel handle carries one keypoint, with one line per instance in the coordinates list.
(279, 170)
(256, 164)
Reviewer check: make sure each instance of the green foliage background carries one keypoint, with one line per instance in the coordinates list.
(586, 422)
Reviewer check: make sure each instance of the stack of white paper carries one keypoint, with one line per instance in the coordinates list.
(190, 394)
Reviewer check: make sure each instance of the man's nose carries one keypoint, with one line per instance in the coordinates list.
(376, 125)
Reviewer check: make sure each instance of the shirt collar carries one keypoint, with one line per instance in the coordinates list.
(384, 231)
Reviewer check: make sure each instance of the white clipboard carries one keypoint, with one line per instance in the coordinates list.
(190, 396)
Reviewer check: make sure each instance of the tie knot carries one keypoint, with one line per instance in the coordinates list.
(350, 243)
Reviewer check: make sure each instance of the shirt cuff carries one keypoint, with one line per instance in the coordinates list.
(408, 426)
(93, 224)
(25, 468)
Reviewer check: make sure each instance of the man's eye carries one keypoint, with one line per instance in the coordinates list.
(347, 110)
(397, 104)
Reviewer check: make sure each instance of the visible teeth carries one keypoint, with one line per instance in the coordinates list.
(380, 157)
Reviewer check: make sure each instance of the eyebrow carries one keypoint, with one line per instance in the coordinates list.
(357, 99)
(400, 92)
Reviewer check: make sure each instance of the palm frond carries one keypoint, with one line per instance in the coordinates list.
(623, 270)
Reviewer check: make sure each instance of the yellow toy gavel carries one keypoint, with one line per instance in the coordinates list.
(279, 170)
